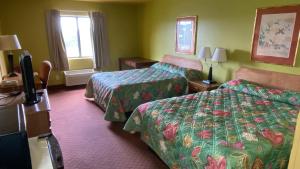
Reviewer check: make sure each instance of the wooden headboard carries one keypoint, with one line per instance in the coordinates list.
(269, 78)
(183, 62)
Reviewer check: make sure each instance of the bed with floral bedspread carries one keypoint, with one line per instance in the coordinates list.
(240, 125)
(122, 91)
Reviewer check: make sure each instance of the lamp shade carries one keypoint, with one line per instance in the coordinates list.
(9, 42)
(204, 53)
(219, 55)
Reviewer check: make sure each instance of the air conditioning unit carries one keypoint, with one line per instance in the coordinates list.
(78, 77)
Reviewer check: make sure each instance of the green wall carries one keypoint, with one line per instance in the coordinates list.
(221, 23)
(27, 20)
(148, 29)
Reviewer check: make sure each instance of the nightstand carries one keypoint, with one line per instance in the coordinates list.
(199, 86)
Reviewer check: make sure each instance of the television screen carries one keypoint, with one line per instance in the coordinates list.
(28, 79)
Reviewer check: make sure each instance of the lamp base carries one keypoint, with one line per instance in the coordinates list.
(208, 82)
(12, 74)
(33, 101)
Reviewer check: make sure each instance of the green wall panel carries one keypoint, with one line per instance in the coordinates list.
(228, 24)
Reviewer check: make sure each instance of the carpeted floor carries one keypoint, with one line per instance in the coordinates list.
(89, 142)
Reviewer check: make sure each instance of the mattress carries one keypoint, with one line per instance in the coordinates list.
(122, 91)
(240, 125)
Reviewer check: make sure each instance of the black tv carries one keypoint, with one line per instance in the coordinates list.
(31, 96)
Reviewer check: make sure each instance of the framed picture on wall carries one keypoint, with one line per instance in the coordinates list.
(276, 35)
(186, 29)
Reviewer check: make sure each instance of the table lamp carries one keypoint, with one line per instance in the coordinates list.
(10, 43)
(204, 54)
(219, 56)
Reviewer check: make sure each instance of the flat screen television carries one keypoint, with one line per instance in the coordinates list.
(31, 96)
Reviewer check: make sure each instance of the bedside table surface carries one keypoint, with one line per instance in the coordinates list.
(199, 86)
(204, 84)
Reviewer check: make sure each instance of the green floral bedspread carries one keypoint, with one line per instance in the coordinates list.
(123, 91)
(239, 126)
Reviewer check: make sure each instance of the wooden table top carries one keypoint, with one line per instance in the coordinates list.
(43, 105)
(137, 59)
(19, 86)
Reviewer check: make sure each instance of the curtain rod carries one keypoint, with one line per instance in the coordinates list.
(72, 12)
(65, 10)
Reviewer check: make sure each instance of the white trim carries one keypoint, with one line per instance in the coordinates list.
(74, 13)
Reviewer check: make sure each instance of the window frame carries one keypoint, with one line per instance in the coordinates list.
(77, 15)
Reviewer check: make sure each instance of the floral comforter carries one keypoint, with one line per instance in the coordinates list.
(122, 91)
(241, 125)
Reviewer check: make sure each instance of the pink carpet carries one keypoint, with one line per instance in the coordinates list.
(89, 142)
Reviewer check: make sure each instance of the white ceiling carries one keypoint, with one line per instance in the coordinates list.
(114, 0)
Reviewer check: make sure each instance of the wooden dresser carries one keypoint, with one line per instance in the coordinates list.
(135, 63)
(43, 144)
(37, 116)
(38, 126)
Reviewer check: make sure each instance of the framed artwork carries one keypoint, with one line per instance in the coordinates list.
(186, 29)
(276, 35)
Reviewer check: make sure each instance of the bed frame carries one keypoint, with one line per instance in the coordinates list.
(183, 62)
(269, 78)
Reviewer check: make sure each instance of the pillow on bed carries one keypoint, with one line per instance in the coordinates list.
(245, 86)
(190, 74)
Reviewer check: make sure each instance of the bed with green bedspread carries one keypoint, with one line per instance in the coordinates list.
(122, 91)
(240, 125)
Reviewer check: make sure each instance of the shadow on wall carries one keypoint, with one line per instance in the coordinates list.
(244, 57)
(240, 57)
(223, 72)
(235, 59)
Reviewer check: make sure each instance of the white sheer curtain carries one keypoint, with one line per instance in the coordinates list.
(99, 39)
(56, 44)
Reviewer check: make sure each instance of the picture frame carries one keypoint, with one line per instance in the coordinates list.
(276, 35)
(186, 30)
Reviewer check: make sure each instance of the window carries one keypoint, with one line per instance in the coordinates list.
(77, 36)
